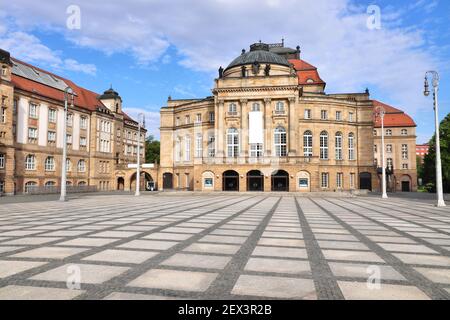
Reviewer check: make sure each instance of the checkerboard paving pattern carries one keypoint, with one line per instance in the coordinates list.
(224, 247)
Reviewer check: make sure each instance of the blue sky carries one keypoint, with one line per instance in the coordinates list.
(149, 50)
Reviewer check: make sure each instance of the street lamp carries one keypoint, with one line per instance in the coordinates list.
(138, 169)
(67, 91)
(435, 83)
(380, 112)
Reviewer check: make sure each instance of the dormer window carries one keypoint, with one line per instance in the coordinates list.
(309, 81)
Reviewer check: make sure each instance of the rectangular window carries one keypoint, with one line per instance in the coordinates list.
(83, 123)
(33, 111)
(3, 115)
(187, 154)
(351, 117)
(324, 114)
(51, 136)
(352, 181)
(389, 148)
(2, 161)
(83, 142)
(211, 117)
(339, 180)
(187, 119)
(177, 121)
(405, 166)
(338, 116)
(199, 146)
(52, 115)
(308, 114)
(256, 150)
(324, 182)
(404, 151)
(32, 133)
(198, 118)
(211, 146)
(69, 121)
(2, 186)
(69, 139)
(390, 163)
(375, 148)
(208, 182)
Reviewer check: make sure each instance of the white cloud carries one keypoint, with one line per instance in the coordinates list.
(333, 36)
(27, 47)
(151, 119)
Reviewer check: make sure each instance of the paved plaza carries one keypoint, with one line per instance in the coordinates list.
(251, 246)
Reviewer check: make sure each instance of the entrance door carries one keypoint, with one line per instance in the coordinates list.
(167, 180)
(406, 187)
(230, 181)
(365, 181)
(280, 181)
(255, 181)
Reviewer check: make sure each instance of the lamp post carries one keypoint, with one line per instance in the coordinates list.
(62, 197)
(380, 111)
(435, 83)
(138, 169)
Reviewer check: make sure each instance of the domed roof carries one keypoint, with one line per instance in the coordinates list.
(259, 52)
(110, 94)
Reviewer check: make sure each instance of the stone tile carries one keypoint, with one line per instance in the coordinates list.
(122, 256)
(174, 280)
(431, 260)
(406, 248)
(360, 291)
(149, 244)
(65, 233)
(20, 233)
(328, 244)
(184, 230)
(341, 237)
(90, 273)
(363, 271)
(9, 268)
(436, 275)
(330, 231)
(31, 241)
(399, 240)
(213, 248)
(277, 266)
(351, 255)
(9, 248)
(223, 239)
(49, 253)
(135, 296)
(288, 235)
(13, 292)
(115, 234)
(87, 242)
(280, 252)
(275, 287)
(281, 242)
(197, 261)
(168, 236)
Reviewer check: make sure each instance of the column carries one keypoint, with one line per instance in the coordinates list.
(292, 139)
(244, 128)
(220, 132)
(267, 127)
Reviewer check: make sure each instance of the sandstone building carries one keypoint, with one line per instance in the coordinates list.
(101, 138)
(270, 126)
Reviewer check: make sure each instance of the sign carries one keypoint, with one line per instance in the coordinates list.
(144, 166)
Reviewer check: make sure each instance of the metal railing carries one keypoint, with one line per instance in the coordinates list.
(34, 190)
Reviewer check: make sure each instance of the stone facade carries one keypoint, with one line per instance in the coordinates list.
(102, 139)
(270, 126)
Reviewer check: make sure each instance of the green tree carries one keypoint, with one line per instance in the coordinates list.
(152, 147)
(429, 165)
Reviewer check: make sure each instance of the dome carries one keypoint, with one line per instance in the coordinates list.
(259, 52)
(110, 94)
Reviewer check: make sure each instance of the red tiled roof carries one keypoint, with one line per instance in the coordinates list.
(306, 71)
(84, 99)
(393, 117)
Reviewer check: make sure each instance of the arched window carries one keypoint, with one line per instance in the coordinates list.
(232, 108)
(81, 166)
(256, 107)
(68, 165)
(324, 145)
(50, 184)
(279, 107)
(233, 142)
(307, 144)
(82, 183)
(280, 140)
(29, 186)
(338, 145)
(50, 164)
(351, 146)
(30, 162)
